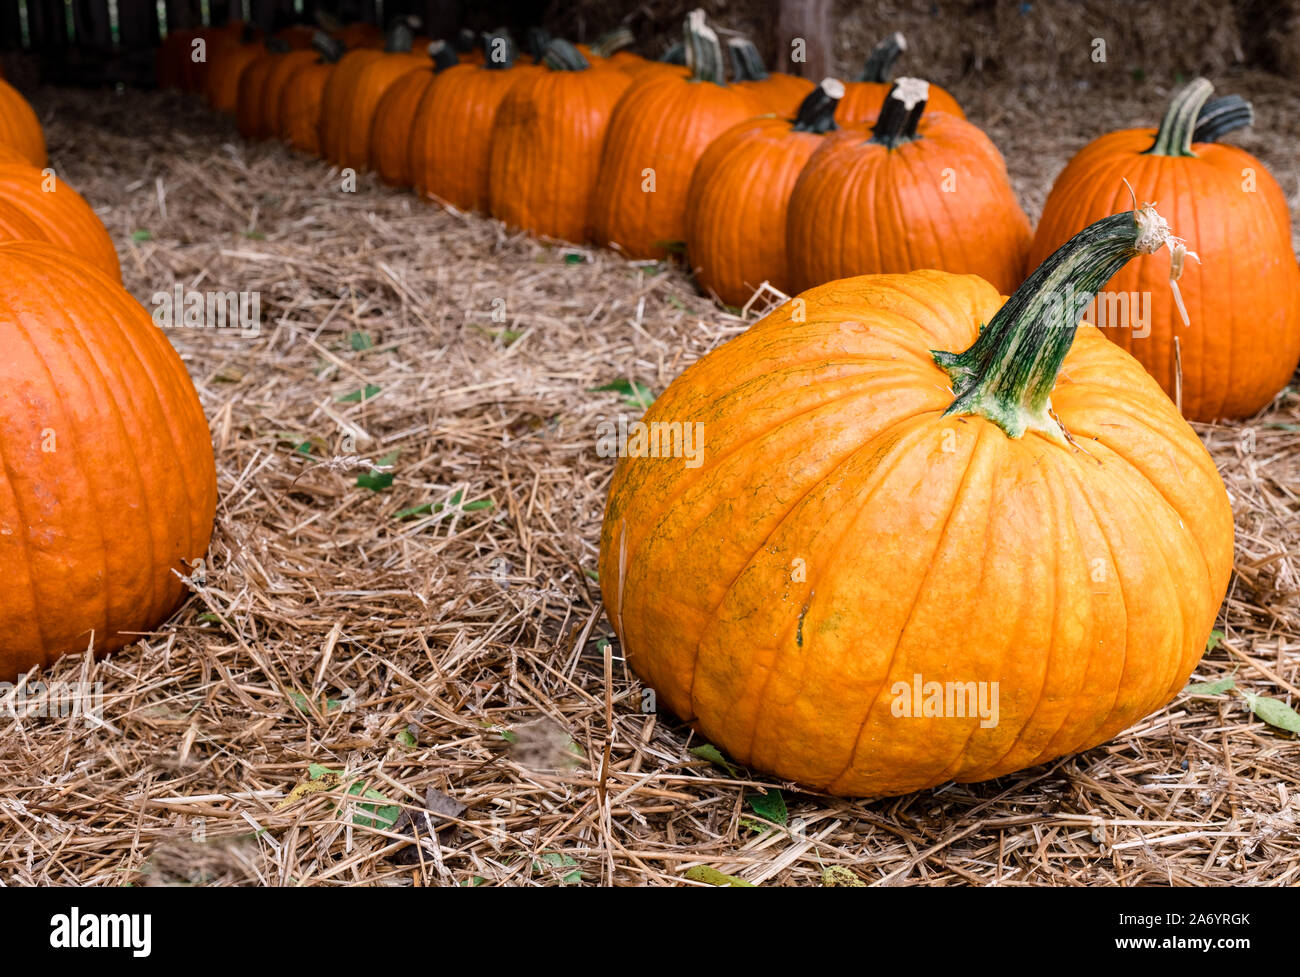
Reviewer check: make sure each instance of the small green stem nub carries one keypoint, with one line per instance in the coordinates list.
(1221, 116)
(1007, 375)
(746, 62)
(538, 38)
(1174, 137)
(329, 48)
(560, 55)
(901, 113)
(817, 111)
(399, 39)
(703, 50)
(443, 56)
(880, 62)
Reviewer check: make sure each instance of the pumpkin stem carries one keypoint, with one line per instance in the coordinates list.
(901, 113)
(443, 56)
(817, 111)
(676, 54)
(746, 62)
(703, 50)
(538, 38)
(560, 55)
(500, 49)
(880, 62)
(1007, 375)
(399, 38)
(1221, 116)
(329, 48)
(612, 41)
(465, 40)
(1177, 128)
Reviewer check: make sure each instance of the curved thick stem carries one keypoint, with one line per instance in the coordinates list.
(1220, 116)
(901, 113)
(1174, 137)
(817, 111)
(880, 62)
(612, 41)
(746, 62)
(1007, 375)
(703, 50)
(329, 48)
(560, 55)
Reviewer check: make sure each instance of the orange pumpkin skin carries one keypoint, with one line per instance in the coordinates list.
(109, 484)
(19, 128)
(663, 124)
(62, 215)
(451, 140)
(862, 102)
(251, 102)
(736, 207)
(301, 103)
(392, 129)
(1242, 297)
(273, 92)
(336, 98)
(546, 148)
(860, 207)
(352, 95)
(841, 536)
(229, 58)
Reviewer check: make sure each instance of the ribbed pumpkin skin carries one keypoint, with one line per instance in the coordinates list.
(1243, 297)
(251, 103)
(337, 96)
(19, 127)
(1084, 582)
(273, 92)
(228, 59)
(91, 531)
(63, 216)
(736, 207)
(301, 103)
(862, 101)
(390, 133)
(349, 107)
(859, 208)
(546, 148)
(779, 92)
(451, 138)
(664, 122)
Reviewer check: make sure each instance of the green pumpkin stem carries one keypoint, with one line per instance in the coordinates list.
(676, 54)
(443, 56)
(1220, 116)
(703, 50)
(538, 38)
(1174, 138)
(329, 48)
(817, 111)
(399, 38)
(1007, 375)
(901, 113)
(613, 41)
(560, 55)
(746, 62)
(880, 62)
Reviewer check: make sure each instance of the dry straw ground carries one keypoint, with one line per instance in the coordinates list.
(458, 656)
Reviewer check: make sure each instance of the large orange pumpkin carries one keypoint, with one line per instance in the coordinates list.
(304, 94)
(390, 133)
(736, 208)
(451, 137)
(779, 92)
(546, 144)
(19, 128)
(61, 214)
(1242, 299)
(228, 57)
(253, 102)
(657, 133)
(918, 190)
(1047, 547)
(865, 96)
(282, 70)
(108, 488)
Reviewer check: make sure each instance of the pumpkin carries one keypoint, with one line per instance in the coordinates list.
(353, 92)
(20, 130)
(918, 190)
(108, 488)
(864, 97)
(277, 79)
(451, 137)
(657, 133)
(228, 57)
(546, 144)
(60, 213)
(1242, 302)
(779, 93)
(304, 94)
(736, 207)
(863, 520)
(390, 133)
(253, 102)
(612, 46)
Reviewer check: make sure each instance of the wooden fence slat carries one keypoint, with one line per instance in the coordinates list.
(137, 22)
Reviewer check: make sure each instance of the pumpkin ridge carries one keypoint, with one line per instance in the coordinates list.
(918, 593)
